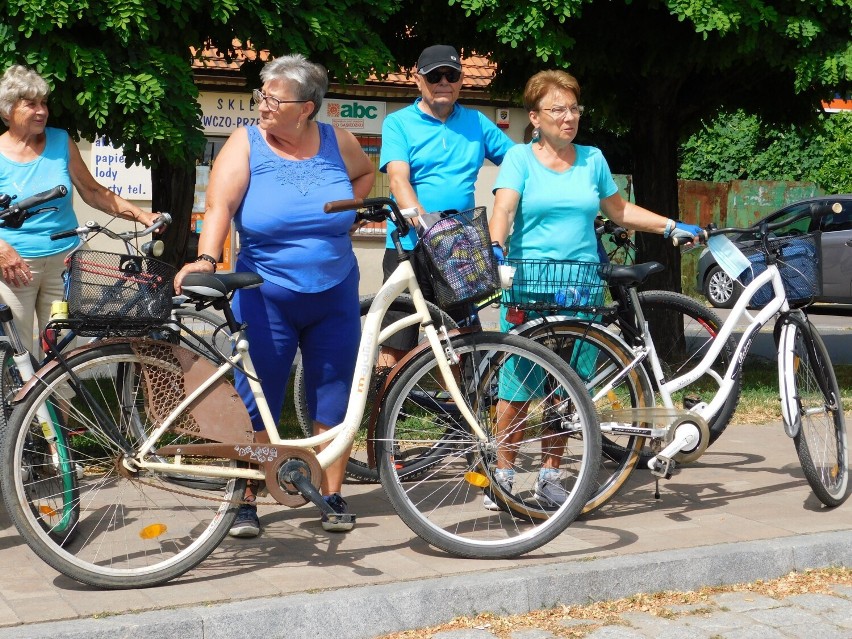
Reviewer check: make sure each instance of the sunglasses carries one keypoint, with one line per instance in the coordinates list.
(435, 75)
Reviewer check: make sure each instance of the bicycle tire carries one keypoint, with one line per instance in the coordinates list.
(598, 356)
(47, 464)
(820, 431)
(701, 326)
(134, 529)
(445, 505)
(209, 327)
(357, 466)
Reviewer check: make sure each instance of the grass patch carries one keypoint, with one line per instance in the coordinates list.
(760, 401)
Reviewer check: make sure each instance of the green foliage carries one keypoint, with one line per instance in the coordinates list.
(741, 146)
(120, 68)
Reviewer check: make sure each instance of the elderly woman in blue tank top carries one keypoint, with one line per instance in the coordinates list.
(272, 180)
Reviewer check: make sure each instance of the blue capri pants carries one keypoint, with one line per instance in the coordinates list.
(325, 326)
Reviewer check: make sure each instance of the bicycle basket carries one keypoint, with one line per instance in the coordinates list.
(799, 262)
(457, 253)
(550, 286)
(110, 293)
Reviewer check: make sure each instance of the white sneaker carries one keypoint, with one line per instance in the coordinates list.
(506, 480)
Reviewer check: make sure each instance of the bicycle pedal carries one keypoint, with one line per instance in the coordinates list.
(341, 518)
(662, 466)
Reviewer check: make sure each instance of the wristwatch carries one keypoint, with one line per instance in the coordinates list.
(207, 258)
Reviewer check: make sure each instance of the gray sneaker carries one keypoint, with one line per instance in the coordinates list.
(506, 479)
(548, 489)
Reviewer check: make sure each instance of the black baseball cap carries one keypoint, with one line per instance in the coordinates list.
(438, 55)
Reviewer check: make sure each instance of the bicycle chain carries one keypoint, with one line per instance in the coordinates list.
(237, 502)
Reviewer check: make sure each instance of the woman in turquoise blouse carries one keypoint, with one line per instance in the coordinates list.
(547, 195)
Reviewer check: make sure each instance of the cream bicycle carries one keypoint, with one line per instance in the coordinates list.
(147, 419)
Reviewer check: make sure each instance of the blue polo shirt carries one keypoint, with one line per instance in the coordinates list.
(444, 157)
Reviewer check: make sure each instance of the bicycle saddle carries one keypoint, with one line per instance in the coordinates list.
(211, 285)
(631, 275)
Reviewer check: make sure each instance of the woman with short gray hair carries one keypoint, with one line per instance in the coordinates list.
(35, 158)
(273, 179)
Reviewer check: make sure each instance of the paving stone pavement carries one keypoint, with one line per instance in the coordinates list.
(742, 512)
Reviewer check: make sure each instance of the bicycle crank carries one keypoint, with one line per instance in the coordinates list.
(685, 434)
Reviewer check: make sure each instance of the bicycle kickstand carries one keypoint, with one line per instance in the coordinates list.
(298, 473)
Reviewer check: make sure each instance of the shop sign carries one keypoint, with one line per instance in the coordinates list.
(358, 116)
(223, 113)
(107, 164)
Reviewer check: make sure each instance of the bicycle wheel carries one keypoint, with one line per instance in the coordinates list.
(358, 467)
(202, 331)
(134, 528)
(677, 356)
(599, 357)
(46, 462)
(499, 374)
(820, 437)
(10, 379)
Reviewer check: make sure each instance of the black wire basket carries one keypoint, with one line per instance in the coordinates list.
(799, 260)
(458, 255)
(111, 293)
(547, 286)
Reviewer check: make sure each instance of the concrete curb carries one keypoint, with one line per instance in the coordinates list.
(368, 611)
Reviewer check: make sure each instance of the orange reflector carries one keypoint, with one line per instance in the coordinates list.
(152, 531)
(47, 511)
(613, 399)
(477, 479)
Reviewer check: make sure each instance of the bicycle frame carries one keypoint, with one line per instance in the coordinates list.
(669, 413)
(341, 436)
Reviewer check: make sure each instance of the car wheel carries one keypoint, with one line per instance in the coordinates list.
(720, 289)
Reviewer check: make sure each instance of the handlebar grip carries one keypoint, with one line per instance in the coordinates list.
(702, 237)
(63, 234)
(342, 205)
(41, 198)
(167, 218)
(822, 209)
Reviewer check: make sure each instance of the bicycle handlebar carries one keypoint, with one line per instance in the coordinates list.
(702, 237)
(373, 209)
(814, 211)
(16, 212)
(93, 227)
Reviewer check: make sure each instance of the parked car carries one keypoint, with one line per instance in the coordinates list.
(836, 242)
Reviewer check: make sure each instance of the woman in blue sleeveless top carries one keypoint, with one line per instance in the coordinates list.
(35, 158)
(272, 180)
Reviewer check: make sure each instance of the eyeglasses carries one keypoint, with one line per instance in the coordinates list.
(561, 112)
(435, 75)
(272, 103)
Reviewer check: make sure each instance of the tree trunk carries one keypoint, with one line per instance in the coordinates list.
(173, 191)
(655, 138)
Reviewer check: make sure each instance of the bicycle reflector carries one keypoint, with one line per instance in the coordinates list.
(477, 479)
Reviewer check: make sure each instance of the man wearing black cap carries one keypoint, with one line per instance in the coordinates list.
(433, 149)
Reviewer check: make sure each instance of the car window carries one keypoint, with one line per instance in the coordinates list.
(800, 226)
(839, 221)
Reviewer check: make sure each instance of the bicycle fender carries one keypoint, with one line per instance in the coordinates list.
(35, 379)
